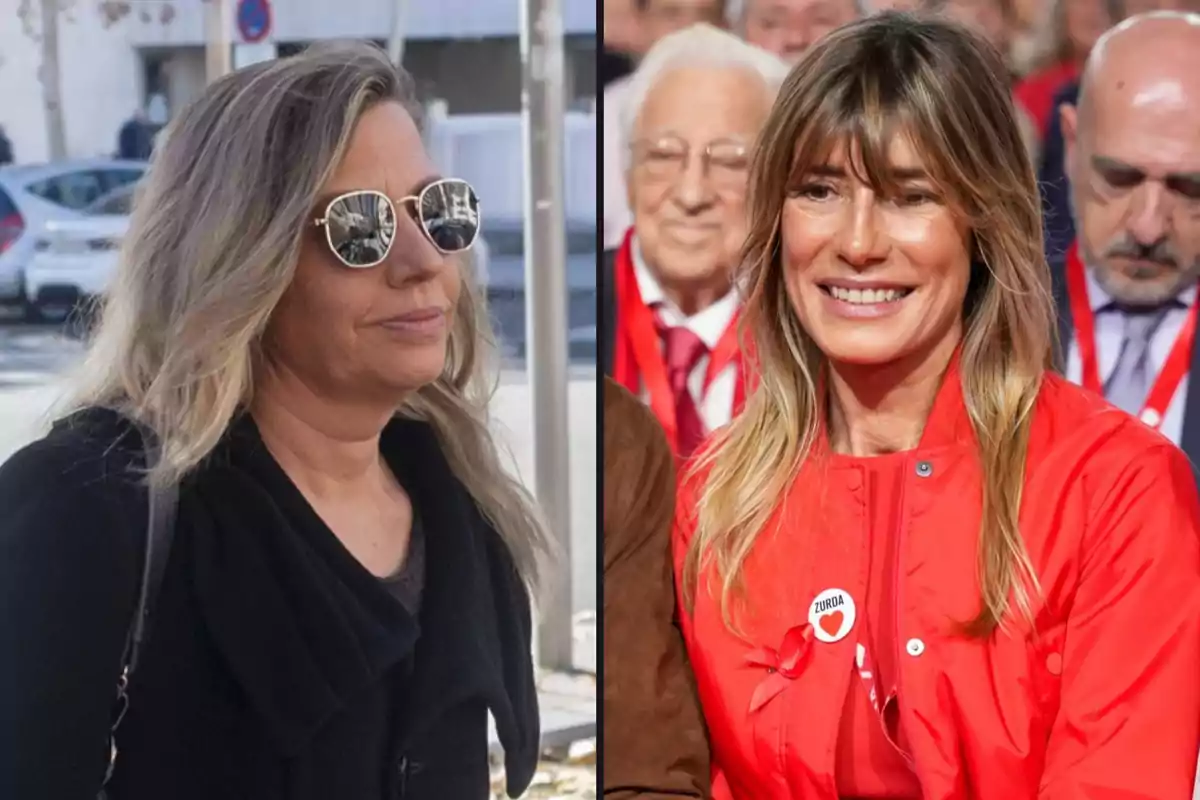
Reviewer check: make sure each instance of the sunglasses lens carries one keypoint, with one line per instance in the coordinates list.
(361, 228)
(450, 213)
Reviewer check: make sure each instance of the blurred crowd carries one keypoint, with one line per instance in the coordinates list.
(689, 84)
(1045, 44)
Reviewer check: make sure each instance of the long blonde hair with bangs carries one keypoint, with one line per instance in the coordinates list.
(866, 83)
(212, 246)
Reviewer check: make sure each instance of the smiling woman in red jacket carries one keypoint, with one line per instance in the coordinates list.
(919, 565)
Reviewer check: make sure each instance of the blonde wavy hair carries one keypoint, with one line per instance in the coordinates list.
(212, 245)
(866, 83)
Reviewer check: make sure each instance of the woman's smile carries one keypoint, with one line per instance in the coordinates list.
(866, 301)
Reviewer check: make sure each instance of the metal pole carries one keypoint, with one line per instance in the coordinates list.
(218, 50)
(542, 111)
(52, 82)
(399, 29)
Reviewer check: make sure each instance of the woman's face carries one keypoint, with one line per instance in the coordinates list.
(378, 332)
(874, 279)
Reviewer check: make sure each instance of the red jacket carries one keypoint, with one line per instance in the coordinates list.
(1035, 93)
(1100, 702)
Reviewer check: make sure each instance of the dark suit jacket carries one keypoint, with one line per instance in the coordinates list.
(1189, 441)
(655, 745)
(278, 667)
(1052, 178)
(1060, 233)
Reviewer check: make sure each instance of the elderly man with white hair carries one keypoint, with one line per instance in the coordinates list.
(697, 103)
(656, 18)
(786, 28)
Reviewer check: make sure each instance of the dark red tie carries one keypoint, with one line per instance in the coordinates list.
(683, 350)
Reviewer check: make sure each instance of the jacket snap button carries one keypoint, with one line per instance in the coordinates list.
(924, 468)
(1054, 664)
(915, 647)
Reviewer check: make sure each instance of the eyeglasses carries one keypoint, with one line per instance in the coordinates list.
(360, 226)
(726, 162)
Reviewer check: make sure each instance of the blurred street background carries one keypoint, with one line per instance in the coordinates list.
(89, 83)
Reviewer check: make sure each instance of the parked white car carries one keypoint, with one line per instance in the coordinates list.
(74, 259)
(33, 195)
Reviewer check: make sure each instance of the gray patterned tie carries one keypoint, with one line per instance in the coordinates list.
(1129, 383)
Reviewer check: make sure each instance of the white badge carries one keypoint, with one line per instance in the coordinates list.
(831, 615)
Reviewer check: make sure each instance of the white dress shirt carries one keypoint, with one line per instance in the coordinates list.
(617, 216)
(715, 405)
(1110, 331)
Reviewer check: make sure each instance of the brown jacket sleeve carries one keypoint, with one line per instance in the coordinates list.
(655, 744)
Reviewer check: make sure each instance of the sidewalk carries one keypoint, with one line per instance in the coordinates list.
(568, 711)
(23, 413)
(513, 425)
(567, 702)
(567, 769)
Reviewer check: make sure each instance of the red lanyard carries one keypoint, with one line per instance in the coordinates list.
(638, 359)
(1084, 320)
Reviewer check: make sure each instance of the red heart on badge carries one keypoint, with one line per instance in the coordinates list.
(831, 623)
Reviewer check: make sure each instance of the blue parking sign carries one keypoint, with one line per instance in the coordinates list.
(254, 20)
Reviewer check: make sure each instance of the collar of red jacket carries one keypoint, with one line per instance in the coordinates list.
(949, 424)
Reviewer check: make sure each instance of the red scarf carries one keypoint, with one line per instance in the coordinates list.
(637, 351)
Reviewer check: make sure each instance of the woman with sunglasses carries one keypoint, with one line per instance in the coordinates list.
(293, 351)
(919, 564)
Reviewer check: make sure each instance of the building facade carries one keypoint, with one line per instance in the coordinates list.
(116, 56)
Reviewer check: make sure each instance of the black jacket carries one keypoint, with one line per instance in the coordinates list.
(278, 668)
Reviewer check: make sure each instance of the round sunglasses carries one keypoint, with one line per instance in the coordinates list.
(360, 226)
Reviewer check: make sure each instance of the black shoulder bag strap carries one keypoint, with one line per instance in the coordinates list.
(160, 530)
